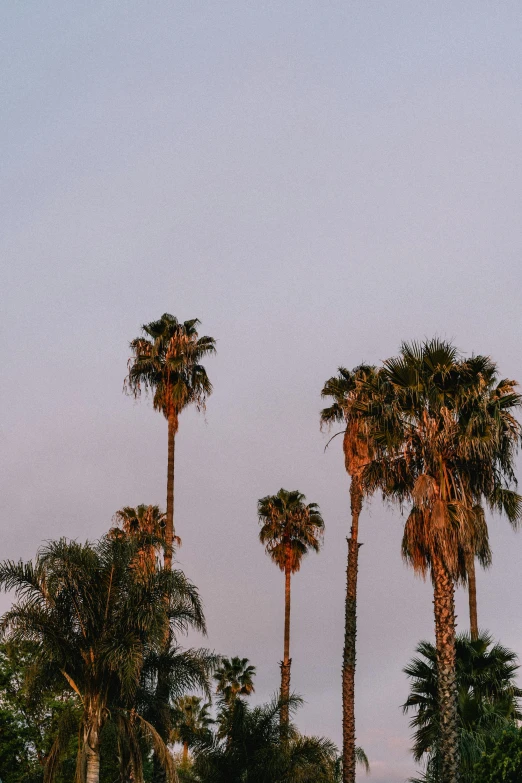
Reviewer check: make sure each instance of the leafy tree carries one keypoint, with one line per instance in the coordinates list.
(191, 721)
(94, 624)
(146, 526)
(488, 700)
(489, 410)
(290, 528)
(442, 445)
(167, 362)
(346, 390)
(24, 718)
(502, 763)
(234, 677)
(253, 750)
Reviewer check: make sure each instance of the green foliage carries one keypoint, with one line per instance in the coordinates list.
(98, 627)
(252, 750)
(502, 763)
(191, 723)
(488, 700)
(33, 711)
(234, 677)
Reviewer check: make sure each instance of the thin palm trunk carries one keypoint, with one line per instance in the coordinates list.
(444, 606)
(162, 686)
(184, 759)
(287, 661)
(350, 634)
(472, 595)
(169, 531)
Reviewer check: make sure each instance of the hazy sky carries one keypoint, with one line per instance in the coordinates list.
(316, 181)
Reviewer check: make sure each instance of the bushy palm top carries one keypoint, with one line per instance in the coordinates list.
(445, 436)
(145, 525)
(347, 389)
(167, 362)
(290, 527)
(234, 677)
(191, 719)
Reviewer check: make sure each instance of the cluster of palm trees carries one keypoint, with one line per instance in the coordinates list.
(438, 432)
(96, 619)
(430, 430)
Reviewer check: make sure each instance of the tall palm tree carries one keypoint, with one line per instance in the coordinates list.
(191, 721)
(167, 362)
(441, 447)
(346, 389)
(290, 528)
(234, 677)
(93, 625)
(490, 405)
(145, 525)
(488, 700)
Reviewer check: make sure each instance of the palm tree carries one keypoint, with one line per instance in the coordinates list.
(438, 443)
(491, 404)
(346, 389)
(191, 721)
(234, 677)
(488, 700)
(94, 625)
(290, 528)
(167, 362)
(253, 751)
(145, 525)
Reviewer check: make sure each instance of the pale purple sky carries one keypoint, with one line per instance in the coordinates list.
(316, 181)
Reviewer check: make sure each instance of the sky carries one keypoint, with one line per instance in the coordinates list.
(316, 182)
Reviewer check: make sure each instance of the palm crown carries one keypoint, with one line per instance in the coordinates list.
(346, 388)
(289, 528)
(167, 362)
(446, 437)
(146, 526)
(235, 677)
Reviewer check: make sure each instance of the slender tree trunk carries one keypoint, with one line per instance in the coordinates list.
(162, 687)
(184, 758)
(444, 605)
(169, 531)
(472, 595)
(287, 661)
(350, 635)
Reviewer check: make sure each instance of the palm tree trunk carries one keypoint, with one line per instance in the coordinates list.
(287, 661)
(444, 605)
(169, 531)
(162, 686)
(350, 634)
(184, 758)
(92, 754)
(472, 595)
